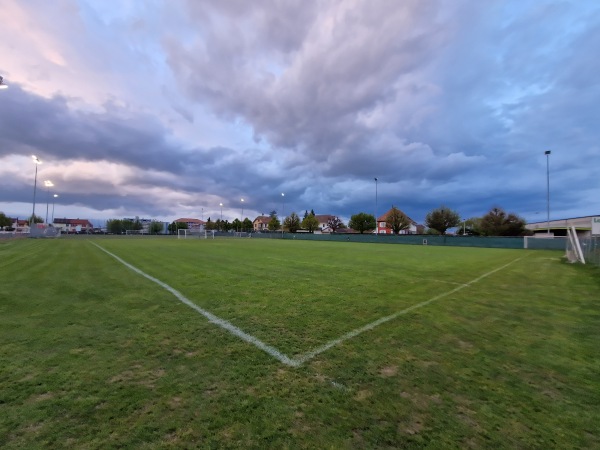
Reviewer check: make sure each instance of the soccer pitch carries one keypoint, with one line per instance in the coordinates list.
(265, 343)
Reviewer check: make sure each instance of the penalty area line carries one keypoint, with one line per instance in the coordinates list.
(301, 359)
(272, 351)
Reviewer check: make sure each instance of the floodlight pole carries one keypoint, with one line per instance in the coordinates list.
(282, 211)
(53, 201)
(376, 223)
(547, 153)
(242, 216)
(48, 185)
(36, 161)
(221, 205)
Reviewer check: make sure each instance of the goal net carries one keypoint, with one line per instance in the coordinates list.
(195, 234)
(135, 232)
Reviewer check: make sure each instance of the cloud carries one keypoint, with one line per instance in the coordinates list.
(172, 107)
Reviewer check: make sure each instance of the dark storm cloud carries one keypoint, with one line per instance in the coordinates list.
(446, 103)
(50, 127)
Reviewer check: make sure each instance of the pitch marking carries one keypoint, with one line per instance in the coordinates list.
(211, 317)
(310, 355)
(301, 359)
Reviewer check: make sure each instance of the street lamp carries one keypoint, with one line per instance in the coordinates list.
(376, 224)
(2, 85)
(36, 161)
(48, 185)
(547, 153)
(221, 205)
(53, 201)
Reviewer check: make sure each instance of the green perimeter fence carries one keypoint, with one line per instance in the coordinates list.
(591, 250)
(558, 243)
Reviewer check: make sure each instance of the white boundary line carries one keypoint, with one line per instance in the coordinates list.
(211, 317)
(302, 358)
(310, 355)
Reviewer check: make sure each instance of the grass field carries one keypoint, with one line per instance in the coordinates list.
(364, 346)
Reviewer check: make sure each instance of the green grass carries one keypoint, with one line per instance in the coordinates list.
(93, 355)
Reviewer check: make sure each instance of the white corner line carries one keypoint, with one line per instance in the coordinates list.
(301, 359)
(272, 351)
(211, 317)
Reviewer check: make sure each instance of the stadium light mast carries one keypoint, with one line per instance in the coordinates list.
(221, 205)
(36, 161)
(282, 211)
(242, 216)
(53, 202)
(376, 224)
(2, 84)
(547, 153)
(48, 185)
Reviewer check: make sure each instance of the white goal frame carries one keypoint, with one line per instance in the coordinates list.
(185, 233)
(574, 252)
(135, 232)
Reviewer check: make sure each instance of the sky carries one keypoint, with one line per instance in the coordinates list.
(165, 109)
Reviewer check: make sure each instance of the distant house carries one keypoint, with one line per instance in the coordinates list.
(193, 224)
(261, 223)
(19, 225)
(323, 220)
(382, 227)
(74, 225)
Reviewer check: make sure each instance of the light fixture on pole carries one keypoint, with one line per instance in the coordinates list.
(376, 224)
(36, 161)
(547, 153)
(2, 85)
(221, 205)
(242, 216)
(464, 226)
(48, 185)
(53, 202)
(282, 211)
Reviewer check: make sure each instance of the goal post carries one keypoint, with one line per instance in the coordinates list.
(135, 232)
(574, 252)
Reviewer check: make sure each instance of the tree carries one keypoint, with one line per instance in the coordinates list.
(362, 222)
(4, 221)
(176, 226)
(310, 223)
(273, 214)
(247, 225)
(441, 219)
(292, 222)
(274, 224)
(497, 223)
(470, 227)
(137, 225)
(305, 214)
(236, 225)
(397, 221)
(211, 225)
(36, 219)
(335, 224)
(155, 227)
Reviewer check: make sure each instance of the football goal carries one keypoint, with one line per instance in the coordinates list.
(135, 232)
(574, 251)
(195, 234)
